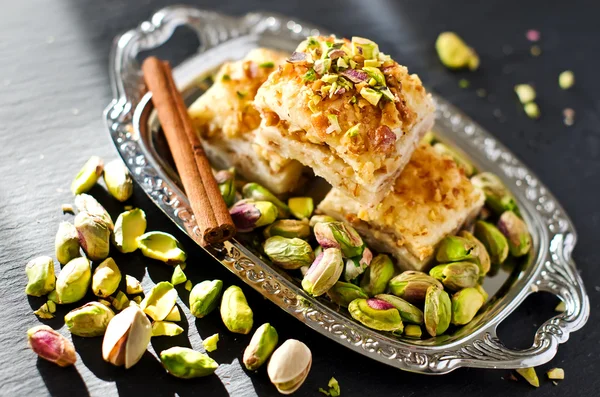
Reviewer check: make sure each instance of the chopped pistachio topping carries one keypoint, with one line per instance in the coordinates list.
(310, 75)
(525, 92)
(210, 343)
(333, 124)
(566, 79)
(375, 74)
(371, 95)
(267, 65)
(226, 77)
(353, 131)
(188, 285)
(240, 94)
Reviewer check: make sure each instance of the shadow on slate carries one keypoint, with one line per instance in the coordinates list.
(55, 384)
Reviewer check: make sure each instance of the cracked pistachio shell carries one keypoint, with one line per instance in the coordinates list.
(86, 203)
(204, 297)
(408, 312)
(118, 180)
(456, 275)
(376, 314)
(120, 301)
(412, 285)
(51, 346)
(343, 293)
(497, 197)
(288, 253)
(226, 182)
(106, 278)
(289, 366)
(165, 328)
(160, 301)
(261, 346)
(88, 175)
(94, 235)
(129, 227)
(126, 338)
(185, 363)
(357, 265)
(210, 343)
(289, 228)
(454, 249)
(248, 215)
(133, 285)
(494, 241)
(301, 207)
(377, 276)
(320, 218)
(482, 258)
(162, 246)
(178, 276)
(40, 276)
(339, 235)
(465, 305)
(413, 331)
(254, 191)
(438, 311)
(516, 233)
(324, 272)
(458, 158)
(73, 280)
(89, 320)
(66, 243)
(235, 312)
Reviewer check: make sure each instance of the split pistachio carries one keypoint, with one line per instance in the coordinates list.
(174, 314)
(413, 331)
(320, 218)
(94, 235)
(412, 285)
(289, 366)
(51, 346)
(162, 246)
(205, 297)
(408, 312)
(343, 293)
(226, 182)
(160, 301)
(494, 241)
(454, 52)
(454, 249)
(357, 265)
(133, 285)
(89, 320)
(120, 301)
(129, 227)
(88, 175)
(186, 363)
(556, 374)
(482, 258)
(165, 328)
(86, 203)
(465, 305)
(46, 311)
(248, 215)
(118, 180)
(126, 338)
(516, 233)
(235, 312)
(456, 275)
(301, 207)
(339, 235)
(106, 278)
(66, 243)
(289, 228)
(210, 343)
(438, 311)
(529, 375)
(178, 276)
(40, 276)
(254, 191)
(460, 160)
(376, 314)
(497, 197)
(288, 253)
(73, 280)
(261, 346)
(378, 275)
(324, 272)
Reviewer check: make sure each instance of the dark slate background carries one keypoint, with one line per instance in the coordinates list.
(54, 86)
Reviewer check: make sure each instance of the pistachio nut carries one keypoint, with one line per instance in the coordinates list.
(126, 338)
(254, 191)
(460, 160)
(301, 207)
(343, 293)
(186, 363)
(497, 197)
(235, 312)
(365, 48)
(556, 374)
(40, 276)
(51, 346)
(320, 218)
(334, 388)
(178, 276)
(412, 285)
(529, 375)
(377, 275)
(94, 235)
(454, 52)
(465, 305)
(494, 241)
(413, 331)
(162, 246)
(205, 297)
(73, 280)
(456, 275)
(261, 346)
(339, 235)
(226, 182)
(454, 249)
(137, 300)
(174, 314)
(561, 307)
(132, 285)
(210, 343)
(289, 366)
(129, 227)
(516, 233)
(46, 311)
(289, 228)
(357, 265)
(89, 320)
(160, 301)
(66, 243)
(408, 312)
(324, 272)
(483, 292)
(438, 311)
(87, 177)
(165, 328)
(482, 258)
(106, 278)
(118, 180)
(376, 314)
(288, 253)
(120, 301)
(247, 215)
(86, 203)
(188, 285)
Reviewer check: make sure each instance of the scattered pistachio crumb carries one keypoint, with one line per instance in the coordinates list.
(67, 208)
(481, 92)
(556, 373)
(128, 207)
(568, 116)
(105, 302)
(529, 375)
(210, 343)
(120, 301)
(463, 83)
(535, 50)
(137, 299)
(267, 65)
(178, 276)
(532, 110)
(226, 77)
(334, 388)
(566, 79)
(534, 288)
(188, 285)
(555, 383)
(44, 312)
(561, 307)
(525, 92)
(240, 94)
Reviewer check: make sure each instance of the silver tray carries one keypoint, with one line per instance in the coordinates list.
(136, 135)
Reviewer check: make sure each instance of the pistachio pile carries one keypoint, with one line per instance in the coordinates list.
(125, 315)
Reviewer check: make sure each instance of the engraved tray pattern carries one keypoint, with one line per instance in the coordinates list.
(550, 269)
